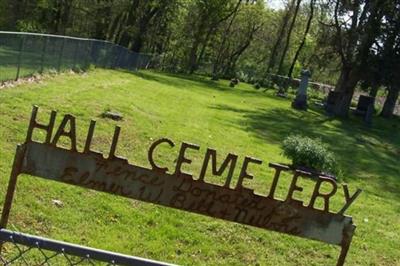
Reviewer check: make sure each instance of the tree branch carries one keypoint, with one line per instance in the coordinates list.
(339, 33)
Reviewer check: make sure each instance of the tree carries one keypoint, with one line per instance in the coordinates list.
(236, 38)
(221, 51)
(303, 41)
(138, 21)
(390, 57)
(103, 14)
(357, 27)
(206, 17)
(383, 62)
(279, 37)
(289, 33)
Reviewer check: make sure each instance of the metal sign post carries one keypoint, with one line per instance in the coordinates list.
(178, 189)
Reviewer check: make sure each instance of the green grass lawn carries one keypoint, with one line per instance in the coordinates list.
(240, 120)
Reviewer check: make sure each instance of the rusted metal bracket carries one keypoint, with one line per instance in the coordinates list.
(348, 233)
(12, 183)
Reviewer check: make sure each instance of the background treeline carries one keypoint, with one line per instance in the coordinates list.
(346, 43)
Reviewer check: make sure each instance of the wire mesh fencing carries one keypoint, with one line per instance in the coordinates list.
(25, 54)
(23, 249)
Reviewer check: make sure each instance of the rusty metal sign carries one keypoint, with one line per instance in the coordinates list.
(180, 190)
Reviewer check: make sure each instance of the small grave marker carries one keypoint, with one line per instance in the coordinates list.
(112, 115)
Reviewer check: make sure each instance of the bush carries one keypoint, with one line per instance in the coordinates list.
(243, 76)
(311, 153)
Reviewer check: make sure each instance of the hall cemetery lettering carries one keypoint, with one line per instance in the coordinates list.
(179, 189)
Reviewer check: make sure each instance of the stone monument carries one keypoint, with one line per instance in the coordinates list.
(300, 102)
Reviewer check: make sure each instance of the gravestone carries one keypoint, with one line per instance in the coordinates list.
(330, 101)
(365, 108)
(234, 82)
(112, 115)
(300, 102)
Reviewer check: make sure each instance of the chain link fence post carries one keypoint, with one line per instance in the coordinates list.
(45, 41)
(75, 54)
(116, 63)
(60, 55)
(21, 48)
(89, 48)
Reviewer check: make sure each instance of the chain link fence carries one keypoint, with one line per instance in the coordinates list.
(23, 249)
(25, 54)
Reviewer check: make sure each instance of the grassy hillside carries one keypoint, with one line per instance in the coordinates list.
(240, 120)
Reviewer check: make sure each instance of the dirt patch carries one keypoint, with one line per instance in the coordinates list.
(36, 78)
(13, 83)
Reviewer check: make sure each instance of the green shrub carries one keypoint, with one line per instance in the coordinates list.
(311, 153)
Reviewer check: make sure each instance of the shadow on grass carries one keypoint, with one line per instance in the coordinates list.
(362, 152)
(185, 82)
(369, 153)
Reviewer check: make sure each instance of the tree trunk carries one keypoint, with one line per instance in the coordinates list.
(193, 54)
(103, 15)
(303, 41)
(125, 36)
(374, 90)
(203, 49)
(62, 16)
(390, 103)
(137, 43)
(199, 40)
(221, 50)
(346, 85)
(119, 31)
(286, 47)
(17, 8)
(360, 37)
(113, 28)
(279, 38)
(57, 18)
(234, 57)
(143, 26)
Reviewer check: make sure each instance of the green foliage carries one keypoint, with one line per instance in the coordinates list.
(243, 77)
(187, 33)
(316, 94)
(308, 152)
(29, 26)
(297, 69)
